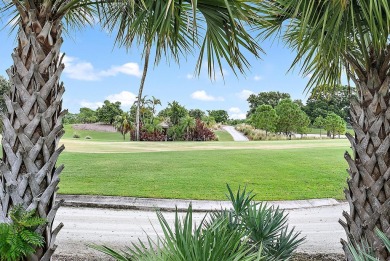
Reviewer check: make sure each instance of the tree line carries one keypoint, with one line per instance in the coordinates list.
(276, 112)
(173, 122)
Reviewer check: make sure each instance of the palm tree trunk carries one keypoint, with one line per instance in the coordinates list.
(33, 126)
(141, 88)
(368, 191)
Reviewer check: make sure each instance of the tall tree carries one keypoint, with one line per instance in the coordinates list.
(87, 115)
(288, 116)
(303, 122)
(187, 123)
(334, 124)
(333, 38)
(265, 98)
(154, 102)
(319, 123)
(209, 121)
(141, 88)
(176, 112)
(33, 124)
(108, 112)
(220, 116)
(265, 118)
(324, 100)
(196, 113)
(123, 124)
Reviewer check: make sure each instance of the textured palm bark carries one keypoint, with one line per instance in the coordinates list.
(368, 191)
(32, 127)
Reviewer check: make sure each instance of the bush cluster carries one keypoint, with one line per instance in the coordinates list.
(255, 134)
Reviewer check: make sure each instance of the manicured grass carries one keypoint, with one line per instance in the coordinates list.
(197, 174)
(95, 135)
(90, 146)
(323, 132)
(223, 135)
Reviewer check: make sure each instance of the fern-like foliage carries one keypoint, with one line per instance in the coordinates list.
(18, 238)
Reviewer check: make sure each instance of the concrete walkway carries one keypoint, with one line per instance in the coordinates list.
(237, 136)
(118, 228)
(152, 204)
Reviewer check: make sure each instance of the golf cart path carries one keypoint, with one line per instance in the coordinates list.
(237, 136)
(119, 228)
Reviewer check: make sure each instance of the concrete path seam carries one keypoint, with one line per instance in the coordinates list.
(169, 205)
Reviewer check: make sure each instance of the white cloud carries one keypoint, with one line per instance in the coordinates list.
(127, 68)
(244, 94)
(257, 78)
(85, 71)
(238, 116)
(235, 110)
(203, 96)
(91, 105)
(125, 98)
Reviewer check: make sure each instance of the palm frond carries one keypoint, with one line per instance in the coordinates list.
(177, 27)
(329, 37)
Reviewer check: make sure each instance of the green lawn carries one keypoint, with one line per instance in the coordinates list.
(323, 132)
(223, 135)
(95, 135)
(286, 174)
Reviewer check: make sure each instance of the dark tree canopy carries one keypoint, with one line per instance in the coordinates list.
(87, 115)
(220, 116)
(196, 113)
(109, 111)
(291, 117)
(265, 118)
(334, 124)
(324, 100)
(175, 112)
(265, 98)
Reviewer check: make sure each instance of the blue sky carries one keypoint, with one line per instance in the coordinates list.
(96, 71)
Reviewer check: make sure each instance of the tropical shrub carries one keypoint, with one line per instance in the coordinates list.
(18, 238)
(146, 134)
(249, 231)
(201, 132)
